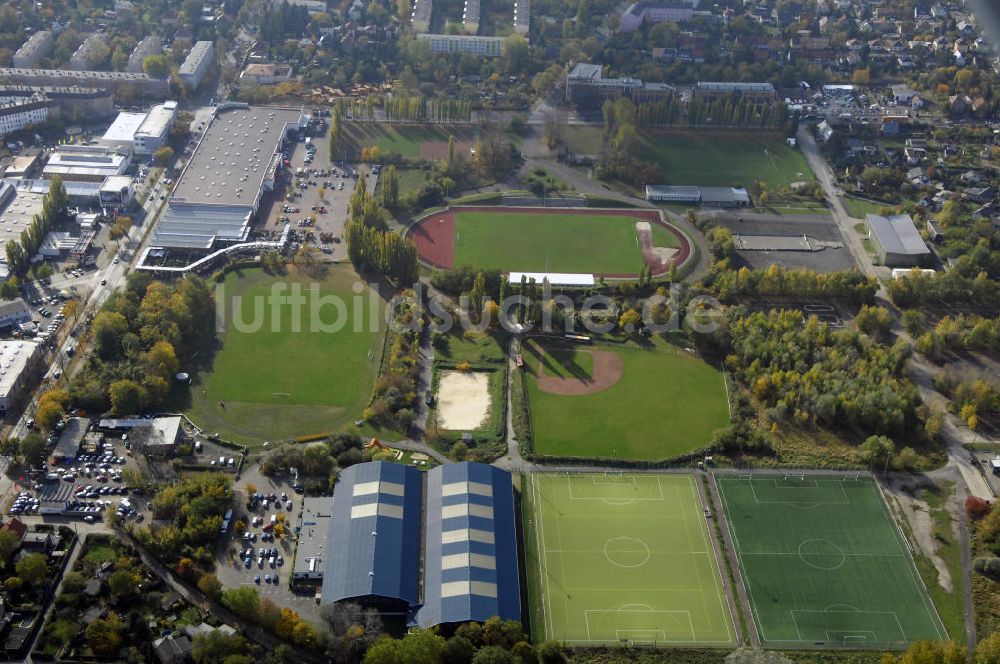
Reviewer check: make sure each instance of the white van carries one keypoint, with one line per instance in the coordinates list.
(197, 446)
(274, 519)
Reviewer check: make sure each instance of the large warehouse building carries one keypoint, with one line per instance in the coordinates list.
(896, 240)
(375, 537)
(219, 191)
(440, 547)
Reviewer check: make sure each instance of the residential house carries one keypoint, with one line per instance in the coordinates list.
(172, 649)
(979, 194)
(36, 542)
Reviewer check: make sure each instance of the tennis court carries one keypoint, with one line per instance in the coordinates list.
(626, 558)
(824, 563)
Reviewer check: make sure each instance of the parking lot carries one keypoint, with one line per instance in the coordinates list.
(231, 566)
(298, 200)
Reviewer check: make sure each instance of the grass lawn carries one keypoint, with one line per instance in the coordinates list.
(547, 243)
(279, 381)
(412, 179)
(709, 158)
(824, 564)
(99, 554)
(724, 158)
(472, 347)
(858, 208)
(664, 238)
(568, 363)
(402, 139)
(624, 558)
(666, 403)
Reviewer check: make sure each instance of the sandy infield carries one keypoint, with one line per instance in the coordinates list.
(608, 370)
(463, 400)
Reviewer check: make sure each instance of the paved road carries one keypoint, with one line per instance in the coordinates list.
(828, 181)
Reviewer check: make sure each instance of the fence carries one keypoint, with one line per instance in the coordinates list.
(553, 201)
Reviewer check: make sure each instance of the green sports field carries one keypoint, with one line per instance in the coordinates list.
(404, 139)
(548, 242)
(276, 381)
(710, 158)
(667, 402)
(824, 564)
(624, 558)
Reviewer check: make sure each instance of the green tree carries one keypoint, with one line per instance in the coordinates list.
(121, 583)
(32, 569)
(551, 652)
(876, 451)
(9, 543)
(33, 449)
(126, 397)
(211, 586)
(119, 59)
(493, 655)
(216, 646)
(243, 601)
(390, 188)
(104, 636)
(457, 650)
(109, 328)
(988, 650)
(164, 155)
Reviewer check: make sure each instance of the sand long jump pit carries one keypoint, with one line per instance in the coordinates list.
(463, 400)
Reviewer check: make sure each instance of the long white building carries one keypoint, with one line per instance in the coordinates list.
(197, 63)
(489, 47)
(38, 46)
(154, 131)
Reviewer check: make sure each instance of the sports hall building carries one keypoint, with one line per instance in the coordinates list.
(439, 547)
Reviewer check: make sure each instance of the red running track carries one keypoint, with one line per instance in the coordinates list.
(434, 235)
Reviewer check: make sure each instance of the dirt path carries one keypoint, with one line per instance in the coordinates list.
(917, 514)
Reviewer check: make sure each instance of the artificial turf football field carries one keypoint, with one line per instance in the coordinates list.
(626, 558)
(521, 242)
(824, 564)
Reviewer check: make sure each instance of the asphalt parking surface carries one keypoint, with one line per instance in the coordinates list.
(821, 227)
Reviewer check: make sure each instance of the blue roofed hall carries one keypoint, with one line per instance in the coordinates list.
(374, 549)
(470, 546)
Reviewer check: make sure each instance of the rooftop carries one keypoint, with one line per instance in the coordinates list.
(34, 43)
(71, 437)
(374, 543)
(158, 119)
(123, 129)
(586, 71)
(194, 58)
(96, 76)
(718, 86)
(14, 357)
(897, 234)
(310, 554)
(17, 215)
(229, 165)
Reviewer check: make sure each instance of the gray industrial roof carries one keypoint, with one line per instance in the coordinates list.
(194, 58)
(71, 437)
(897, 234)
(724, 194)
(719, 86)
(314, 537)
(470, 546)
(374, 546)
(235, 152)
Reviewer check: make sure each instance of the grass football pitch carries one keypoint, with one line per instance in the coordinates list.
(824, 564)
(710, 158)
(625, 557)
(667, 402)
(548, 242)
(286, 378)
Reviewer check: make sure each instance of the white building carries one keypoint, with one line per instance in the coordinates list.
(121, 133)
(13, 313)
(522, 16)
(197, 63)
(117, 193)
(85, 57)
(19, 360)
(19, 114)
(32, 51)
(150, 45)
(86, 163)
(420, 16)
(312, 6)
(153, 133)
(489, 47)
